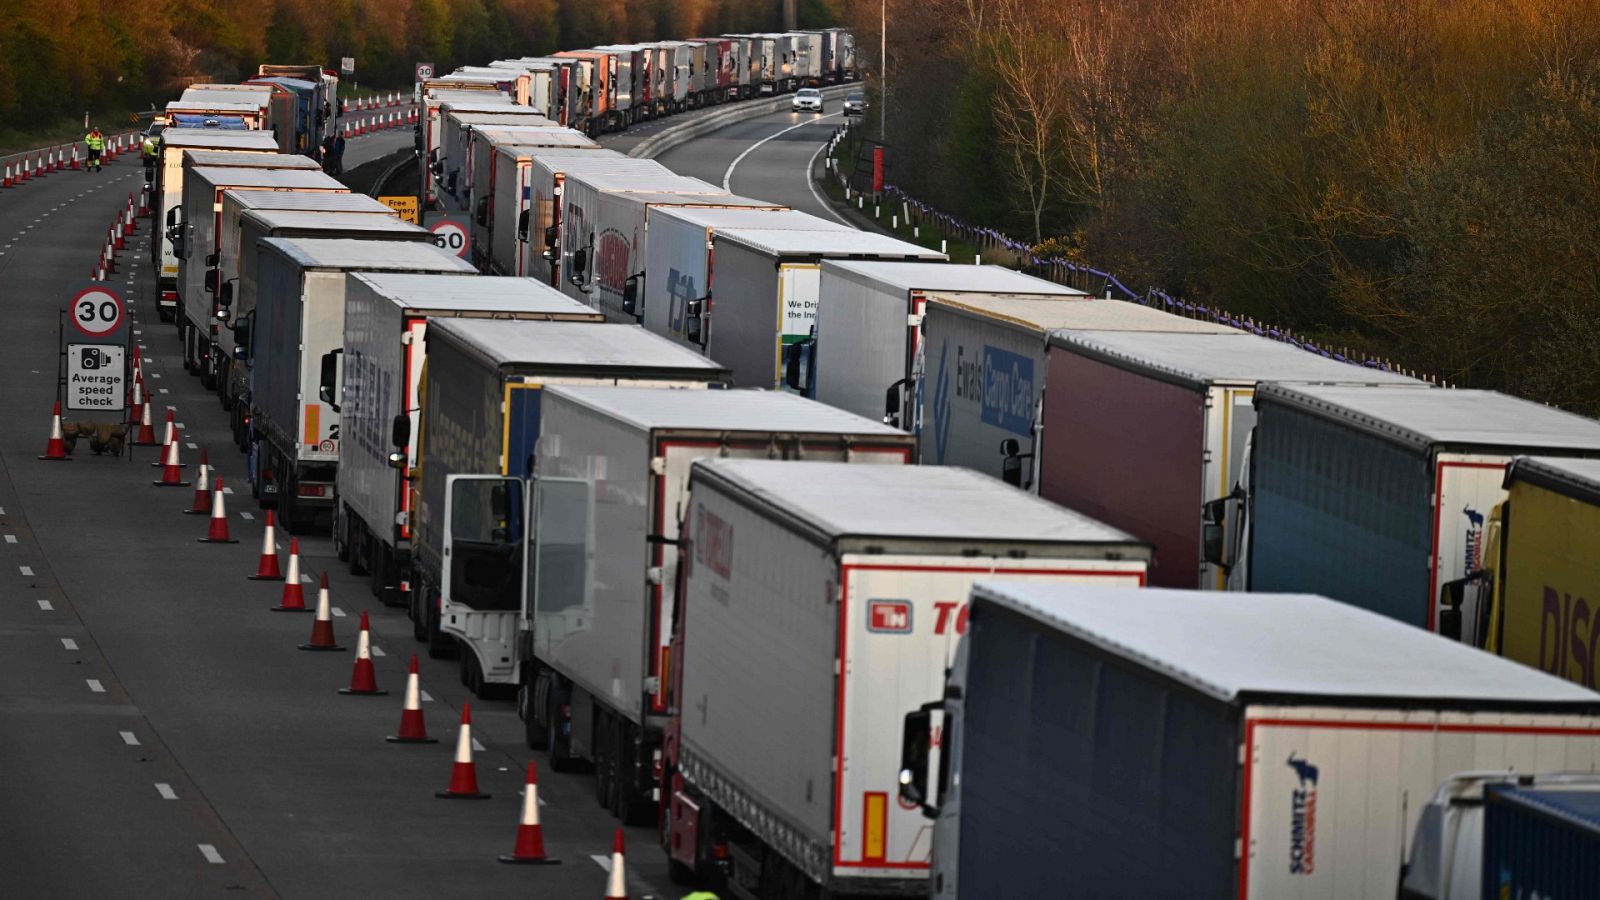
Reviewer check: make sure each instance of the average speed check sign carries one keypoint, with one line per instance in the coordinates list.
(97, 311)
(450, 234)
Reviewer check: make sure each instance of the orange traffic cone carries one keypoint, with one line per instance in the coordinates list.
(363, 680)
(322, 628)
(218, 532)
(172, 471)
(146, 435)
(464, 776)
(294, 598)
(202, 496)
(617, 882)
(56, 449)
(529, 850)
(167, 440)
(267, 567)
(412, 728)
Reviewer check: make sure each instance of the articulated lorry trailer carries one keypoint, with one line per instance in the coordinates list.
(482, 407)
(539, 221)
(506, 235)
(299, 316)
(608, 493)
(822, 604)
(869, 326)
(1380, 497)
(205, 299)
(166, 197)
(386, 320)
(1102, 742)
(1149, 428)
(980, 375)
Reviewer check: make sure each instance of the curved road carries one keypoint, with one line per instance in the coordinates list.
(767, 158)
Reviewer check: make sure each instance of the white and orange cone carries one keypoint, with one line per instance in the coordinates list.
(529, 850)
(202, 494)
(617, 880)
(267, 567)
(218, 530)
(412, 728)
(166, 441)
(322, 628)
(172, 470)
(146, 435)
(55, 449)
(464, 775)
(363, 679)
(294, 596)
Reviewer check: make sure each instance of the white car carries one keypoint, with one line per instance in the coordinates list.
(807, 99)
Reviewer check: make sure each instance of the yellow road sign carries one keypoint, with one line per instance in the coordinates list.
(405, 206)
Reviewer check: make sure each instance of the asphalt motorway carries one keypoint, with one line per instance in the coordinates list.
(160, 734)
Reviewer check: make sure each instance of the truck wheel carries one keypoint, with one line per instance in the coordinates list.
(341, 533)
(561, 758)
(356, 535)
(532, 732)
(419, 619)
(440, 645)
(604, 780)
(377, 566)
(471, 672)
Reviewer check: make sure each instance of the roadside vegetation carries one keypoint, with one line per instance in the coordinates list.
(1417, 178)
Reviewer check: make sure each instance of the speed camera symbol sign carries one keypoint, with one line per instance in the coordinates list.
(97, 311)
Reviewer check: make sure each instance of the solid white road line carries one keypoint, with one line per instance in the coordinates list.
(129, 738)
(167, 793)
(812, 186)
(95, 686)
(209, 851)
(727, 177)
(69, 644)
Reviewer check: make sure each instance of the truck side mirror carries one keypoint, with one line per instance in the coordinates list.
(891, 402)
(437, 168)
(180, 244)
(580, 266)
(1213, 534)
(694, 321)
(482, 215)
(522, 225)
(1011, 462)
(329, 382)
(1451, 594)
(211, 281)
(225, 294)
(172, 217)
(550, 236)
(916, 750)
(630, 295)
(400, 431)
(794, 359)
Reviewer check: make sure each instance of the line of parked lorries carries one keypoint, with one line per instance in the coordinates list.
(862, 573)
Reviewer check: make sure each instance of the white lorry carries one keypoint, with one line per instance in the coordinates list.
(1209, 745)
(166, 196)
(981, 375)
(608, 494)
(822, 605)
(759, 308)
(386, 321)
(205, 299)
(299, 316)
(869, 326)
(547, 174)
(504, 235)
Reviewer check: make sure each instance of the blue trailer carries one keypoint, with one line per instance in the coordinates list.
(1541, 843)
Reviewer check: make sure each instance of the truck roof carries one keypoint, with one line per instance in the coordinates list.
(1569, 476)
(1236, 647)
(541, 136)
(829, 242)
(646, 183)
(1577, 807)
(197, 158)
(1453, 417)
(838, 500)
(1043, 314)
(244, 177)
(594, 162)
(476, 104)
(778, 217)
(1202, 360)
(572, 345)
(308, 200)
(219, 139)
(486, 293)
(506, 118)
(537, 152)
(309, 219)
(721, 411)
(207, 102)
(934, 276)
(348, 253)
(693, 198)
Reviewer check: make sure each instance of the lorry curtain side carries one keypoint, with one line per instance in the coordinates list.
(1136, 464)
(1550, 581)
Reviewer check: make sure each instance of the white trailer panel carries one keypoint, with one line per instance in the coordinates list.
(548, 173)
(167, 194)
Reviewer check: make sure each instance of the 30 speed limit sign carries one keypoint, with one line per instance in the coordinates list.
(450, 234)
(97, 311)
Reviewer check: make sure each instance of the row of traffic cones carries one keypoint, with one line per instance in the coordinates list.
(25, 167)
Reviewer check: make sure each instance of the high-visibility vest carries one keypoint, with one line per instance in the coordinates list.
(95, 140)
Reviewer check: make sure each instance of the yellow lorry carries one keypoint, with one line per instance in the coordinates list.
(1541, 568)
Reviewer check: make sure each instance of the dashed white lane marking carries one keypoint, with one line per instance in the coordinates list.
(180, 425)
(95, 686)
(191, 445)
(162, 390)
(210, 853)
(69, 644)
(45, 605)
(426, 697)
(11, 539)
(227, 490)
(129, 738)
(603, 862)
(337, 612)
(26, 571)
(375, 650)
(245, 515)
(477, 747)
(153, 374)
(166, 791)
(306, 578)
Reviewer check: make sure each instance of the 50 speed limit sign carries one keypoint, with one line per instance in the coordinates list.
(450, 234)
(97, 311)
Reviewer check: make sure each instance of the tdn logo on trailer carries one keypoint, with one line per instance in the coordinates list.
(1303, 819)
(889, 616)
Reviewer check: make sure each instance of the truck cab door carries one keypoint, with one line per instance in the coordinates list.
(485, 532)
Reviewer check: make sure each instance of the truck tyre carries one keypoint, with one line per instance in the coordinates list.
(341, 533)
(419, 619)
(561, 758)
(356, 535)
(440, 645)
(532, 729)
(604, 760)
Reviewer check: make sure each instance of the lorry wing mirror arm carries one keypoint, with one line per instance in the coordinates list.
(328, 389)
